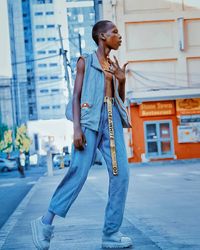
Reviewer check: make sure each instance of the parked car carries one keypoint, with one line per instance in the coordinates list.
(7, 165)
(58, 158)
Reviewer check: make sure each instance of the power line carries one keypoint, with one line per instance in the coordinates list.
(158, 82)
(33, 60)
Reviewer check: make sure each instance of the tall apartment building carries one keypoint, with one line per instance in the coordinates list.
(18, 58)
(161, 42)
(48, 65)
(81, 18)
(37, 65)
(6, 96)
(38, 75)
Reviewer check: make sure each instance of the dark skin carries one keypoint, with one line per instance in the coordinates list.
(107, 41)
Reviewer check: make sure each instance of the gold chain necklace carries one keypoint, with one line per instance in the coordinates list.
(105, 65)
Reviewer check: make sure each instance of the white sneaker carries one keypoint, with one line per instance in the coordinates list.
(116, 240)
(41, 234)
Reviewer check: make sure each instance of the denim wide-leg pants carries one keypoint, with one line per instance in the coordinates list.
(72, 183)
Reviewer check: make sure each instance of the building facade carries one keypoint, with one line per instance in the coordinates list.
(51, 88)
(39, 74)
(6, 97)
(161, 42)
(18, 58)
(80, 18)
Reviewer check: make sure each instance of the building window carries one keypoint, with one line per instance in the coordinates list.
(56, 106)
(54, 77)
(30, 110)
(45, 107)
(43, 78)
(39, 26)
(82, 31)
(40, 39)
(51, 38)
(55, 90)
(44, 91)
(91, 15)
(50, 26)
(83, 44)
(52, 51)
(29, 93)
(80, 18)
(53, 64)
(49, 13)
(42, 65)
(38, 13)
(41, 52)
(159, 139)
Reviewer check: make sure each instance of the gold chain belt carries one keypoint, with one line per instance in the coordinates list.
(110, 101)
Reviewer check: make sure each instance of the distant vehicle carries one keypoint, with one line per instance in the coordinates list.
(7, 165)
(58, 158)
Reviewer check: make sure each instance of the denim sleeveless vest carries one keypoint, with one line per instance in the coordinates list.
(92, 96)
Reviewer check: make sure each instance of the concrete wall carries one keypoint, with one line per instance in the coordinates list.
(151, 42)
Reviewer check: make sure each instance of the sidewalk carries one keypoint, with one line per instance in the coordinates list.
(81, 229)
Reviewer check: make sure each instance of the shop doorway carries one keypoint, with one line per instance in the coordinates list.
(159, 139)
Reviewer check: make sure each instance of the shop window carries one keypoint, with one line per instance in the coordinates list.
(49, 13)
(159, 139)
(50, 26)
(39, 26)
(51, 38)
(53, 64)
(52, 51)
(38, 13)
(45, 107)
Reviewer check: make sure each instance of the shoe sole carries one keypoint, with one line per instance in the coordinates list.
(35, 240)
(108, 244)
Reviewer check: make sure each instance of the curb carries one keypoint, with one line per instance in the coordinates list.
(164, 163)
(13, 219)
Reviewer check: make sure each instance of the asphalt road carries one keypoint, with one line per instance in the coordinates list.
(162, 210)
(13, 189)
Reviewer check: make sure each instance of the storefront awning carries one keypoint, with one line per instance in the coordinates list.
(161, 95)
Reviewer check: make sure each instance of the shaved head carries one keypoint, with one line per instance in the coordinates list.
(100, 27)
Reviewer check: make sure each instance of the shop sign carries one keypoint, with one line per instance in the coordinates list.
(188, 106)
(156, 108)
(189, 133)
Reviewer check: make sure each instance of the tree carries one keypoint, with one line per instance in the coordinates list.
(3, 128)
(5, 139)
(22, 140)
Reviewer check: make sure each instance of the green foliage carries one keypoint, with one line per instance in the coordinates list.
(3, 128)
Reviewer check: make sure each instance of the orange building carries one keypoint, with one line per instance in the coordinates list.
(161, 43)
(164, 129)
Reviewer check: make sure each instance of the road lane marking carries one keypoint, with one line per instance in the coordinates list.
(7, 185)
(145, 175)
(194, 172)
(170, 174)
(31, 182)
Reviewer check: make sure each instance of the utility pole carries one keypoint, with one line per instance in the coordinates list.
(79, 43)
(65, 62)
(98, 10)
(13, 113)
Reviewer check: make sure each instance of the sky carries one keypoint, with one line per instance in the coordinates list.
(5, 68)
